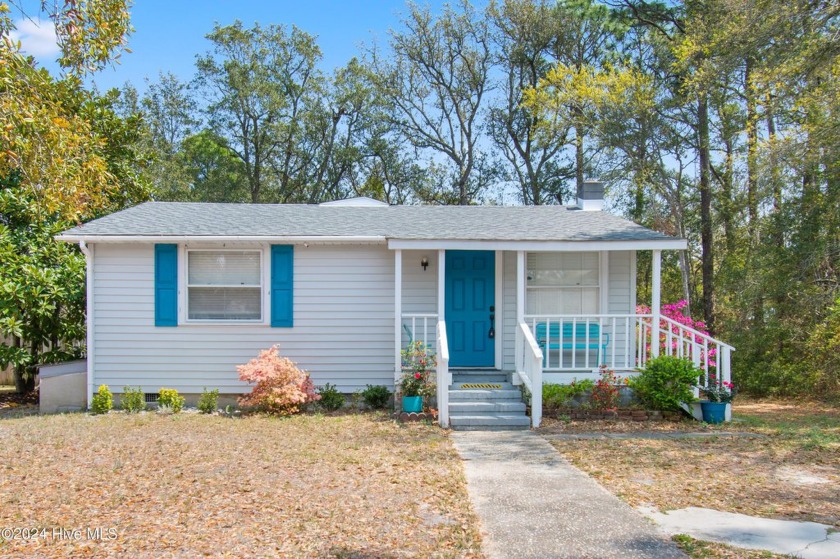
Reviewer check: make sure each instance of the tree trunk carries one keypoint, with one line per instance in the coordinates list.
(706, 239)
(752, 153)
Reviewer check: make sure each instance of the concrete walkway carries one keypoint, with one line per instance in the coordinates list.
(655, 436)
(808, 540)
(533, 504)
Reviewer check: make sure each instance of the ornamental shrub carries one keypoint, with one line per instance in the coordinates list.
(208, 402)
(557, 396)
(376, 397)
(331, 398)
(169, 398)
(280, 387)
(133, 400)
(605, 393)
(665, 382)
(102, 401)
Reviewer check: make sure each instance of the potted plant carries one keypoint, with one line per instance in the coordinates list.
(416, 382)
(718, 396)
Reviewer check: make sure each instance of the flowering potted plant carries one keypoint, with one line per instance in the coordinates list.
(718, 396)
(416, 382)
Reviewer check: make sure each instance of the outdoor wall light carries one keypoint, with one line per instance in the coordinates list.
(424, 262)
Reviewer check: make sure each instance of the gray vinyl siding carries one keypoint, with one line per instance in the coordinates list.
(619, 301)
(343, 324)
(419, 288)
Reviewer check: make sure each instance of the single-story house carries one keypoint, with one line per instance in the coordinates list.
(179, 294)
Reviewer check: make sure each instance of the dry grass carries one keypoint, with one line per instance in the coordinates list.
(195, 486)
(791, 472)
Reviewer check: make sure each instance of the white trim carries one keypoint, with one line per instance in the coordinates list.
(520, 286)
(633, 280)
(371, 239)
(441, 299)
(498, 302)
(183, 288)
(88, 251)
(538, 246)
(393, 244)
(397, 318)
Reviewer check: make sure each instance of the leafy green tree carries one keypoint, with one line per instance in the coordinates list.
(436, 81)
(66, 157)
(524, 32)
(261, 84)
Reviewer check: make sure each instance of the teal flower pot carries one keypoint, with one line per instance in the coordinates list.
(412, 404)
(713, 412)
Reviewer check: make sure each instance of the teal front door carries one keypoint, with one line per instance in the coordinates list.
(470, 307)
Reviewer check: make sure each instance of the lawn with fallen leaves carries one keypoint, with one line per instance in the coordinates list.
(191, 485)
(789, 470)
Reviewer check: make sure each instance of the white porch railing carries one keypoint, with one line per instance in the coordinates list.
(529, 367)
(419, 327)
(576, 343)
(444, 379)
(711, 355)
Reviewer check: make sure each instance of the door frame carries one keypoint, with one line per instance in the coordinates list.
(498, 300)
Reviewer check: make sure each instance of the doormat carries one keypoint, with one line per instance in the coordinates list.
(481, 385)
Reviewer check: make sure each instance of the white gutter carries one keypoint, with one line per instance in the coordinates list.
(88, 252)
(537, 246)
(219, 239)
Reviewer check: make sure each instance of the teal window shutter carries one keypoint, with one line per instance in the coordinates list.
(166, 285)
(282, 286)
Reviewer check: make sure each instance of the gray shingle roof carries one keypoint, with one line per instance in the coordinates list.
(509, 223)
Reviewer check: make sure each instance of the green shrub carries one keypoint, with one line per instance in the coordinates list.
(557, 396)
(103, 400)
(133, 400)
(331, 398)
(280, 387)
(376, 397)
(208, 402)
(169, 398)
(665, 382)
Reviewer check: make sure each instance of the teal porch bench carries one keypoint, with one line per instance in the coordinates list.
(552, 337)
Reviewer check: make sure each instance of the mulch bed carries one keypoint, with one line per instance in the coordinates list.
(12, 403)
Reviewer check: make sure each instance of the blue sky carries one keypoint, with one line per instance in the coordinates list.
(169, 34)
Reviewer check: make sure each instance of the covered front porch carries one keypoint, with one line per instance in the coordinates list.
(543, 313)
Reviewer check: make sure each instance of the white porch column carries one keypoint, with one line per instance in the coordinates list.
(656, 302)
(397, 315)
(88, 250)
(520, 286)
(519, 357)
(441, 285)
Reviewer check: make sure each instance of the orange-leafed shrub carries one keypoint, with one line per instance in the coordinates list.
(280, 387)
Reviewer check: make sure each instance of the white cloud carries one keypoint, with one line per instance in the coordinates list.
(36, 36)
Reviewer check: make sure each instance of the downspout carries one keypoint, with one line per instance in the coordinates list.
(88, 252)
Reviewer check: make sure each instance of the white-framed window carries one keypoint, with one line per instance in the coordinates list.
(224, 285)
(563, 283)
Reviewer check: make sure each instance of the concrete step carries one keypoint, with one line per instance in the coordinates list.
(459, 379)
(502, 385)
(481, 407)
(489, 421)
(483, 394)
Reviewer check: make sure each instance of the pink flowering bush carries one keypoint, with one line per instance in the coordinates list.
(280, 387)
(674, 311)
(605, 394)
